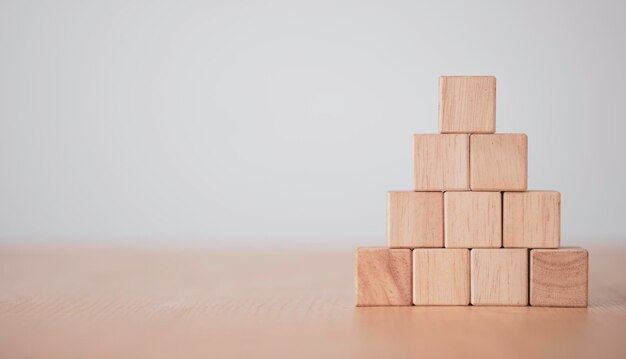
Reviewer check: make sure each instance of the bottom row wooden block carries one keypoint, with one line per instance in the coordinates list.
(442, 276)
(383, 276)
(499, 276)
(559, 277)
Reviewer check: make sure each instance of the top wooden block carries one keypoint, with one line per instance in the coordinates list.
(467, 104)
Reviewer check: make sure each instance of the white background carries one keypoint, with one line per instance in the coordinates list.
(285, 122)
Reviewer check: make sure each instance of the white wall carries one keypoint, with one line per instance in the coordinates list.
(285, 122)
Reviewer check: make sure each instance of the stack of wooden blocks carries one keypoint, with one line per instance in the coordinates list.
(470, 232)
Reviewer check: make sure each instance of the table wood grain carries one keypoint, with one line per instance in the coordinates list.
(140, 303)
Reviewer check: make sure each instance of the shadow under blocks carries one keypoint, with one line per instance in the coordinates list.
(470, 232)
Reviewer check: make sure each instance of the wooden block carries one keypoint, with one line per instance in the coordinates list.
(559, 277)
(499, 162)
(499, 276)
(441, 276)
(467, 104)
(440, 162)
(531, 219)
(472, 219)
(383, 277)
(415, 219)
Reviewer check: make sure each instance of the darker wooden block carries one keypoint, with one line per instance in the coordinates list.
(383, 277)
(559, 277)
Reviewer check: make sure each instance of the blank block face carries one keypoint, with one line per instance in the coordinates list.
(499, 276)
(383, 277)
(414, 219)
(472, 219)
(441, 277)
(467, 104)
(440, 162)
(531, 219)
(499, 162)
(559, 277)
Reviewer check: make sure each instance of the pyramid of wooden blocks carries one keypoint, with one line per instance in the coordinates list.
(469, 232)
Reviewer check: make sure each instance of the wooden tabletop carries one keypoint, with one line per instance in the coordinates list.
(96, 303)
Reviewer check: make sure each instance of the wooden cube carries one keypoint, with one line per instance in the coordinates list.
(414, 219)
(383, 277)
(559, 277)
(440, 162)
(441, 276)
(499, 162)
(499, 276)
(467, 104)
(531, 219)
(472, 219)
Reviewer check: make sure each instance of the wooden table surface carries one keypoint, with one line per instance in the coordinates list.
(89, 303)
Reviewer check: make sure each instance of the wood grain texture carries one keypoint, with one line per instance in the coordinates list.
(559, 277)
(531, 219)
(414, 219)
(473, 219)
(441, 276)
(499, 276)
(440, 162)
(499, 162)
(383, 277)
(467, 104)
(278, 303)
